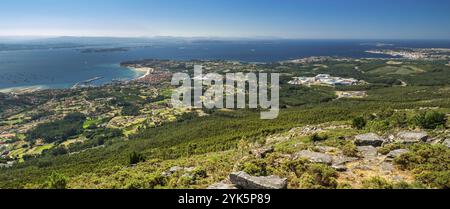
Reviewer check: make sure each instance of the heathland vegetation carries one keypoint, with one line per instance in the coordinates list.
(128, 135)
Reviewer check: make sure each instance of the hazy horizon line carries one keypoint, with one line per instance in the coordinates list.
(213, 37)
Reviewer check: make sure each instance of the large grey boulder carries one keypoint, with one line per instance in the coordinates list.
(397, 153)
(411, 137)
(225, 184)
(368, 151)
(370, 139)
(340, 161)
(314, 157)
(245, 181)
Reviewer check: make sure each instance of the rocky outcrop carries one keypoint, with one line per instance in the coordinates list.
(243, 180)
(446, 142)
(262, 152)
(176, 169)
(435, 140)
(314, 157)
(396, 153)
(409, 137)
(368, 152)
(370, 139)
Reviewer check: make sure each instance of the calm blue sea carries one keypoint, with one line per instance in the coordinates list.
(62, 68)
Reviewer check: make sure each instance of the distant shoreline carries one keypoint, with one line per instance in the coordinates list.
(23, 89)
(141, 73)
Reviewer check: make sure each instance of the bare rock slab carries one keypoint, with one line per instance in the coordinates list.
(245, 181)
(315, 157)
(368, 151)
(370, 139)
(446, 143)
(396, 153)
(410, 137)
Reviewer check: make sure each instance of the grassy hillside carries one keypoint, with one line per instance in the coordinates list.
(218, 143)
(219, 132)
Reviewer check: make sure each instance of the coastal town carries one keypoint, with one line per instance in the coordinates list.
(416, 53)
(121, 105)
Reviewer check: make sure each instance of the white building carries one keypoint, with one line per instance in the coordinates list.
(323, 79)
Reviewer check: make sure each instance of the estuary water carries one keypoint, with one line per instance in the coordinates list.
(65, 66)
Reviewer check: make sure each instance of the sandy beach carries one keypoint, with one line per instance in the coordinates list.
(23, 89)
(29, 89)
(147, 71)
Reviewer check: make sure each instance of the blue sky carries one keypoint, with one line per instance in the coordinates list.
(321, 19)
